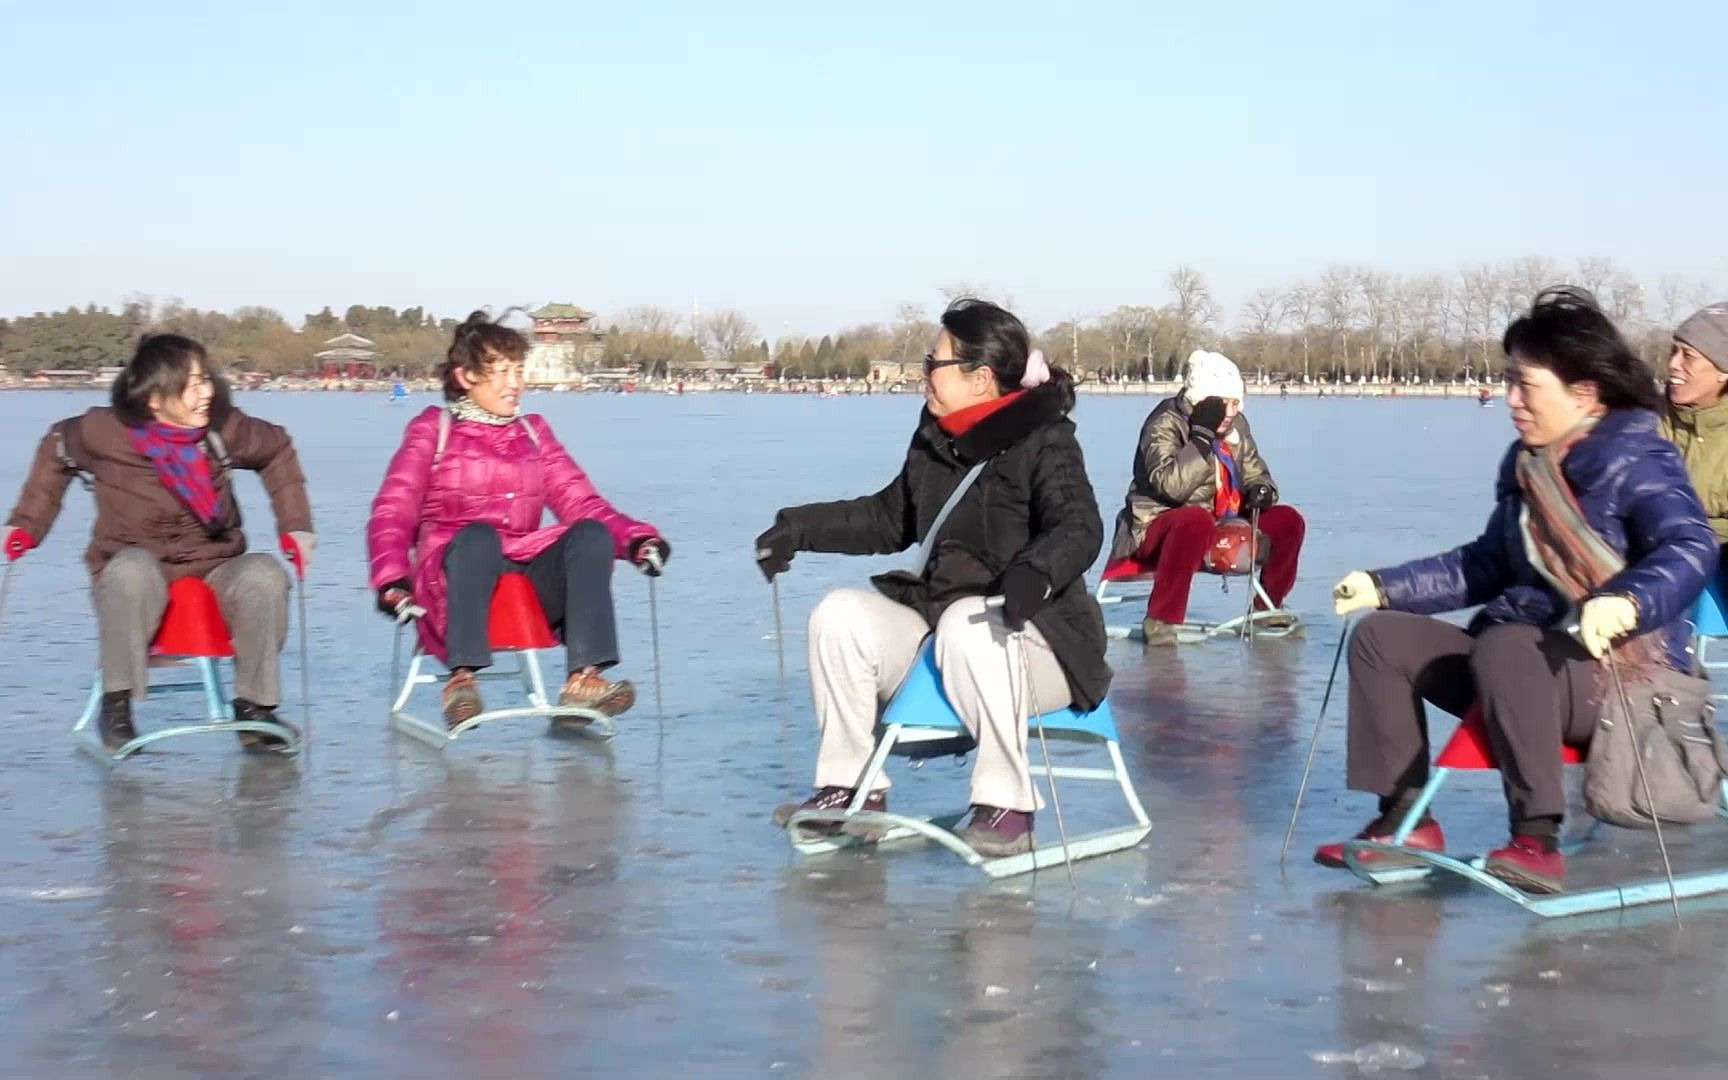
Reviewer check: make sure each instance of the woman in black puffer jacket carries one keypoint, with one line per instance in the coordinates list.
(1027, 530)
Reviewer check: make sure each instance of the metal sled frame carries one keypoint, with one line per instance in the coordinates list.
(1604, 898)
(219, 712)
(1188, 633)
(526, 672)
(920, 724)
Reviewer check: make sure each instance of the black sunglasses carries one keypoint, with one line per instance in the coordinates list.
(931, 363)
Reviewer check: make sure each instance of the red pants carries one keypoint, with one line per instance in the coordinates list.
(1177, 540)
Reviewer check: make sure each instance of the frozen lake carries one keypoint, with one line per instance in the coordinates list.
(528, 906)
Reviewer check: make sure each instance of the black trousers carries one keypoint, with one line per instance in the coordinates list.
(1538, 690)
(572, 578)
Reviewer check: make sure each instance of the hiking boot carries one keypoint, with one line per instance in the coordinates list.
(1426, 836)
(1157, 632)
(1274, 620)
(257, 740)
(1527, 863)
(461, 698)
(114, 722)
(828, 798)
(994, 831)
(588, 689)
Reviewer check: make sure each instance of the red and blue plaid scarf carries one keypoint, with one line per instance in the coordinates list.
(182, 466)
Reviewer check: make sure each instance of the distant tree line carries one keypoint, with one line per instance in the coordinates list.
(1349, 322)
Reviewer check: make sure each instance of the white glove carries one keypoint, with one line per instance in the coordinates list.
(1603, 620)
(1357, 592)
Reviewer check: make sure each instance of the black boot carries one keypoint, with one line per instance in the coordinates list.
(246, 710)
(114, 722)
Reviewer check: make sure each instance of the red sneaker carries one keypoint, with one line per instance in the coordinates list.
(1426, 837)
(1527, 864)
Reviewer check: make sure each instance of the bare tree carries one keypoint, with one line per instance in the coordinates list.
(1337, 301)
(1300, 305)
(1262, 316)
(722, 333)
(646, 319)
(1193, 310)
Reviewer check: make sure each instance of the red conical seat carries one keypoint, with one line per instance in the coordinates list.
(193, 624)
(1125, 568)
(517, 620)
(1468, 748)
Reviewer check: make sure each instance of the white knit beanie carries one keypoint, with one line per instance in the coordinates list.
(1211, 374)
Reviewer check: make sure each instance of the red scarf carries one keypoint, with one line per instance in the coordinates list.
(182, 466)
(1227, 500)
(959, 423)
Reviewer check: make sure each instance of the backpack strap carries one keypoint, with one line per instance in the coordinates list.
(218, 449)
(929, 546)
(446, 418)
(66, 437)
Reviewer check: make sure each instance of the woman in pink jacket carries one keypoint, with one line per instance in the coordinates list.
(463, 502)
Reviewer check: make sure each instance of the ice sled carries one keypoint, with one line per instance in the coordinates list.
(919, 724)
(1127, 579)
(192, 629)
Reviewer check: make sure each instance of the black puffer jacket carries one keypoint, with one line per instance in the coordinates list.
(1032, 504)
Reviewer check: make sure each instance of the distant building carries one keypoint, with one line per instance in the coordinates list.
(562, 344)
(347, 356)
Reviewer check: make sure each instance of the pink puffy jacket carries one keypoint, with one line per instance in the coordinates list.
(494, 474)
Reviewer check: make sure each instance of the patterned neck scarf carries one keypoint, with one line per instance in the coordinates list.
(177, 455)
(463, 408)
(1227, 500)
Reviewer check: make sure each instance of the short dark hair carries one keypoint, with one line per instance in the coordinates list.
(1569, 335)
(475, 342)
(989, 335)
(162, 365)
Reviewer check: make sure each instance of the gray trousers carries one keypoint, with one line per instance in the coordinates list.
(131, 596)
(1538, 691)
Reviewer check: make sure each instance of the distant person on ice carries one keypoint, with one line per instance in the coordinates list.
(1196, 465)
(1621, 539)
(1026, 530)
(1697, 415)
(464, 500)
(159, 456)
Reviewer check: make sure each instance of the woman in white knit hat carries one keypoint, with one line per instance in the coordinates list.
(1197, 464)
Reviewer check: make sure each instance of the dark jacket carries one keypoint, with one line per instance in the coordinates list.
(1032, 504)
(1172, 470)
(1632, 487)
(133, 507)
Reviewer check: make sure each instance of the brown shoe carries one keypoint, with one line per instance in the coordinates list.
(589, 689)
(461, 699)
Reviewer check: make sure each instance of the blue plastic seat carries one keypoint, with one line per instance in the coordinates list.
(920, 702)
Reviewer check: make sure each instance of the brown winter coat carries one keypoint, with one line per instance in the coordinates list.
(134, 508)
(1171, 471)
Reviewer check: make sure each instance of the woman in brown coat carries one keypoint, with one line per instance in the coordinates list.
(157, 459)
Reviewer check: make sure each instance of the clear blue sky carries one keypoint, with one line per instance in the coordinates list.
(816, 164)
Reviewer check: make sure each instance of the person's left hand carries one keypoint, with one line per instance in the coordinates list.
(1025, 592)
(1259, 497)
(650, 555)
(298, 546)
(1605, 619)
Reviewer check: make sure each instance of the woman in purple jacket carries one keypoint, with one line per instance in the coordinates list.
(464, 500)
(1584, 404)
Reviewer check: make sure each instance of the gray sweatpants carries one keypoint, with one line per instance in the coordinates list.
(131, 596)
(1537, 689)
(862, 645)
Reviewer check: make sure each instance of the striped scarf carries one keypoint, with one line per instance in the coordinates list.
(1227, 498)
(1563, 546)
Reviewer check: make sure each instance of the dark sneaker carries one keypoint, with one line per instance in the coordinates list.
(828, 798)
(461, 699)
(1275, 620)
(114, 721)
(247, 710)
(1425, 836)
(593, 691)
(1526, 863)
(1157, 632)
(994, 831)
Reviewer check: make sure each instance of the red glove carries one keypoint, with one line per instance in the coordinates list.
(17, 543)
(296, 553)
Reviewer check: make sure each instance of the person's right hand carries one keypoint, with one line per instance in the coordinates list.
(394, 597)
(1357, 592)
(774, 550)
(1205, 419)
(17, 543)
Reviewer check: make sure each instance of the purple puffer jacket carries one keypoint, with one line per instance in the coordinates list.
(494, 474)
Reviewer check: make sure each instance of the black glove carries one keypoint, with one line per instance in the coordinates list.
(393, 595)
(650, 554)
(1259, 497)
(1204, 420)
(774, 550)
(1025, 592)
